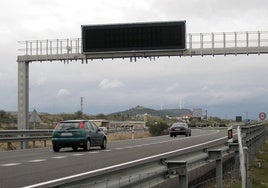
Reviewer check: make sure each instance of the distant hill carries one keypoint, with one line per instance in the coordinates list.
(176, 112)
(140, 110)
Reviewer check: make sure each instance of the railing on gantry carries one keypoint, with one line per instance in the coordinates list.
(195, 41)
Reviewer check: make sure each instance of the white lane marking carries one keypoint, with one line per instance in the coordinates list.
(150, 143)
(119, 148)
(59, 157)
(10, 164)
(78, 154)
(107, 150)
(129, 147)
(94, 152)
(120, 165)
(165, 141)
(137, 146)
(161, 142)
(36, 160)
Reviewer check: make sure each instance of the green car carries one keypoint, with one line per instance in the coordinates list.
(77, 134)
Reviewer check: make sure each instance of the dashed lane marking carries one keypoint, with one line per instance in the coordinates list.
(59, 157)
(119, 148)
(10, 164)
(36, 160)
(78, 154)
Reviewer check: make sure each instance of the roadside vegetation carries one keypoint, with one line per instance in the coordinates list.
(7, 120)
(258, 170)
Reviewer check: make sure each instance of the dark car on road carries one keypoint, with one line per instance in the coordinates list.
(77, 134)
(179, 128)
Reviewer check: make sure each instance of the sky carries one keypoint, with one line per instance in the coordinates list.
(225, 86)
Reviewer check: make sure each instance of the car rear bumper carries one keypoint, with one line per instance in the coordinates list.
(69, 142)
(178, 133)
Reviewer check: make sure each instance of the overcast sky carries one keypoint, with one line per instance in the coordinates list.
(226, 86)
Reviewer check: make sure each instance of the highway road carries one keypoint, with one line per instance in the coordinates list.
(39, 167)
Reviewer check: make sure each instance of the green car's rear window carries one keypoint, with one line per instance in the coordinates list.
(69, 125)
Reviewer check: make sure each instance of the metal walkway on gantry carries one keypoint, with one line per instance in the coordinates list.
(197, 44)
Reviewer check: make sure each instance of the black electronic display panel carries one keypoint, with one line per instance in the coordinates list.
(153, 36)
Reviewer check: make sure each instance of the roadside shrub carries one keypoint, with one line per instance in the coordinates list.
(158, 128)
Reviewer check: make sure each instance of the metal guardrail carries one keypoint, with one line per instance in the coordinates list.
(254, 136)
(24, 136)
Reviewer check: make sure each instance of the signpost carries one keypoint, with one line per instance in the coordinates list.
(34, 118)
(262, 116)
(249, 122)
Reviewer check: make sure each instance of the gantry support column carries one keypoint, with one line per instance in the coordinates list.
(23, 95)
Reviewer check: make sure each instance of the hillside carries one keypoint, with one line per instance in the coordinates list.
(176, 112)
(140, 110)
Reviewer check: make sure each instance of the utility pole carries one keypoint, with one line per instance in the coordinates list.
(82, 106)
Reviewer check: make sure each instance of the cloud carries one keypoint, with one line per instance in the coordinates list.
(236, 83)
(64, 93)
(110, 84)
(41, 81)
(173, 87)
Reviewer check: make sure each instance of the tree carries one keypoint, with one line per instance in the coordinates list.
(6, 117)
(100, 116)
(78, 114)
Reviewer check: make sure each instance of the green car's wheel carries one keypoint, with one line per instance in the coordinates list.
(104, 144)
(87, 146)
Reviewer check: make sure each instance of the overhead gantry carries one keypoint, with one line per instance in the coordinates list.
(197, 44)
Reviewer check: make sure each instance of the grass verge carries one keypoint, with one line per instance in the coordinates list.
(258, 171)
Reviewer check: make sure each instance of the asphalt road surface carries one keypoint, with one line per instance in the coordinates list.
(39, 167)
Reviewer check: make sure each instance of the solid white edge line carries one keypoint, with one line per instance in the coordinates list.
(119, 165)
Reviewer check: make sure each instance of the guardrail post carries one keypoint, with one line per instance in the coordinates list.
(9, 146)
(235, 147)
(217, 155)
(180, 168)
(246, 164)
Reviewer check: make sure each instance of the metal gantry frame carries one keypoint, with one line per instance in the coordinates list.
(198, 44)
